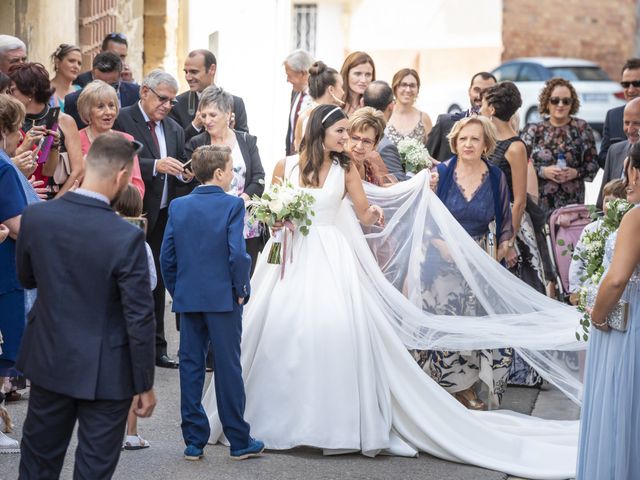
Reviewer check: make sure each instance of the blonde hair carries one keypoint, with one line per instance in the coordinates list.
(368, 117)
(490, 136)
(91, 95)
(11, 114)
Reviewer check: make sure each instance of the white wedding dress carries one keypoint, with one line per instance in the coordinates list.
(325, 366)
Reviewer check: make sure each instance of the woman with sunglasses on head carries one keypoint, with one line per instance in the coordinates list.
(562, 147)
(67, 62)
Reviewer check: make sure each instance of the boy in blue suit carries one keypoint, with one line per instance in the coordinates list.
(206, 269)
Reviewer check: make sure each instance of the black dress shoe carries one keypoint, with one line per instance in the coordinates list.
(164, 361)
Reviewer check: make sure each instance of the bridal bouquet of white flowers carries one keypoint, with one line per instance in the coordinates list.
(282, 204)
(592, 256)
(414, 155)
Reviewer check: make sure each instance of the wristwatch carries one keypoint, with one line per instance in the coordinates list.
(511, 243)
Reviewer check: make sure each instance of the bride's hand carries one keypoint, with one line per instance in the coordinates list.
(276, 227)
(376, 212)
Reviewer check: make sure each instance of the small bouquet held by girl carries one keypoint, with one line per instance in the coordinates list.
(415, 156)
(282, 204)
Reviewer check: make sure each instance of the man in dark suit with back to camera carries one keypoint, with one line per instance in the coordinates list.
(614, 164)
(200, 71)
(164, 177)
(437, 142)
(107, 67)
(613, 129)
(88, 345)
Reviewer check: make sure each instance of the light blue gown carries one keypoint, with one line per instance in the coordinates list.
(610, 420)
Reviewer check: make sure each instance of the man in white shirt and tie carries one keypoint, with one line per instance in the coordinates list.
(296, 66)
(161, 161)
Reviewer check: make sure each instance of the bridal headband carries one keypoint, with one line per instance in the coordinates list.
(332, 112)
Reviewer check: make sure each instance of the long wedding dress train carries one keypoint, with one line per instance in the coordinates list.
(324, 363)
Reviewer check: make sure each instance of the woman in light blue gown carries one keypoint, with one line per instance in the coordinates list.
(610, 420)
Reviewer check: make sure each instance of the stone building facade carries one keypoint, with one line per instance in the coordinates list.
(603, 31)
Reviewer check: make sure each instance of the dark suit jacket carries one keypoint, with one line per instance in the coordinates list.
(131, 121)
(129, 95)
(289, 147)
(614, 165)
(391, 157)
(204, 261)
(83, 79)
(612, 132)
(91, 332)
(254, 176)
(437, 142)
(185, 111)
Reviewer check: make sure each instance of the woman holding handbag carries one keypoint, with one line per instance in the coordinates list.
(610, 415)
(477, 195)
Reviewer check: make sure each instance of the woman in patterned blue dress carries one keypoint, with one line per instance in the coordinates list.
(610, 419)
(477, 195)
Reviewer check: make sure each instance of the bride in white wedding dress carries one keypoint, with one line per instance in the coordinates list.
(324, 349)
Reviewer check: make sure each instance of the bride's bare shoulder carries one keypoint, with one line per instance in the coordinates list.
(279, 171)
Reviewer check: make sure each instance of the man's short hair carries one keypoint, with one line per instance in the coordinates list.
(631, 64)
(114, 37)
(110, 153)
(299, 61)
(378, 95)
(484, 76)
(207, 159)
(209, 57)
(107, 62)
(157, 77)
(9, 42)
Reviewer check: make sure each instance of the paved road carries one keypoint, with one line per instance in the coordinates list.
(164, 459)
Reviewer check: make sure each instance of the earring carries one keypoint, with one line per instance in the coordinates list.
(4, 143)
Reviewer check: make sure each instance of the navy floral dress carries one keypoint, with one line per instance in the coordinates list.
(445, 292)
(544, 142)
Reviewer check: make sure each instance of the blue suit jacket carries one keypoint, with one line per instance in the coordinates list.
(129, 94)
(203, 257)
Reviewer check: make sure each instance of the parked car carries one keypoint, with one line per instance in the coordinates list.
(597, 92)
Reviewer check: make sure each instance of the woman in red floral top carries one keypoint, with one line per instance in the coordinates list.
(560, 135)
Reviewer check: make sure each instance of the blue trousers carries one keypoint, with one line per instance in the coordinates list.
(224, 331)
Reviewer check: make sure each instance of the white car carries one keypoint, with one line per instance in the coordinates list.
(597, 92)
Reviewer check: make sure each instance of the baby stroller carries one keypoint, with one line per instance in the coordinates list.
(563, 232)
(564, 229)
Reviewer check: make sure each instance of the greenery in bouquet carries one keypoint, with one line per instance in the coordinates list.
(592, 256)
(282, 203)
(415, 156)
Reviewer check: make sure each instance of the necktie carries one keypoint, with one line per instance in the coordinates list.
(297, 112)
(152, 128)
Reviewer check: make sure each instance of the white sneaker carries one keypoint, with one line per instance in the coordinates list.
(8, 444)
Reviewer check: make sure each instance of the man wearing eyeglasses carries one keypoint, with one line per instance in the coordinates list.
(13, 51)
(107, 66)
(613, 131)
(200, 71)
(161, 164)
(114, 43)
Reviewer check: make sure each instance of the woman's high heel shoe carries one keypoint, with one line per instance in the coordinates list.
(469, 399)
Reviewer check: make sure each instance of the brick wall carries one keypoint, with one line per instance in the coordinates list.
(602, 31)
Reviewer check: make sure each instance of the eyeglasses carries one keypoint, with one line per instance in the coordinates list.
(561, 100)
(366, 142)
(119, 36)
(412, 86)
(634, 83)
(163, 99)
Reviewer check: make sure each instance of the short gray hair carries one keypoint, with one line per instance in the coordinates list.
(157, 77)
(299, 60)
(9, 42)
(213, 95)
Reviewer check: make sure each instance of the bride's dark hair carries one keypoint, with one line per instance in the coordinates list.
(312, 145)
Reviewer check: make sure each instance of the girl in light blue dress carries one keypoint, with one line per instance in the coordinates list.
(610, 420)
